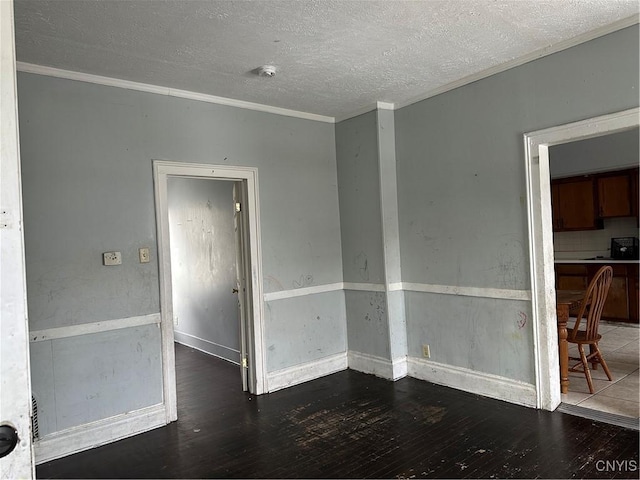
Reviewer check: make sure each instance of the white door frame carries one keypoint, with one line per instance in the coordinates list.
(161, 171)
(15, 393)
(545, 332)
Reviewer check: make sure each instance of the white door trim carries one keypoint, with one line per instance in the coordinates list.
(162, 170)
(545, 335)
(15, 393)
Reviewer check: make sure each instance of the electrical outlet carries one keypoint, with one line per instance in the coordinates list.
(111, 258)
(426, 352)
(143, 254)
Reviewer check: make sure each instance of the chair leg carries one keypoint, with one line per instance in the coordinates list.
(594, 365)
(601, 359)
(585, 365)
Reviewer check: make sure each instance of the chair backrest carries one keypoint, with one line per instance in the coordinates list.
(593, 303)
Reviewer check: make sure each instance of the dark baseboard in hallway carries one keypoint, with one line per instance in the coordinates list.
(352, 425)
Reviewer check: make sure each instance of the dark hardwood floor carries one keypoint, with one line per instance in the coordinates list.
(351, 425)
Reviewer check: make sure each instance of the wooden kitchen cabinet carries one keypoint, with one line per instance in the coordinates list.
(614, 195)
(555, 206)
(571, 277)
(634, 292)
(635, 198)
(617, 305)
(581, 203)
(573, 203)
(622, 303)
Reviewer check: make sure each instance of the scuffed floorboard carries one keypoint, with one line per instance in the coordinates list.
(351, 425)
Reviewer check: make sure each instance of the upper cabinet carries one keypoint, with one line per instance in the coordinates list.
(580, 203)
(635, 198)
(614, 196)
(574, 204)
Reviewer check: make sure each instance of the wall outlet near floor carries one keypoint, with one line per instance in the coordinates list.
(143, 254)
(111, 258)
(426, 352)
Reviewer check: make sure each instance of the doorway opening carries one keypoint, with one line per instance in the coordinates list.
(541, 248)
(210, 268)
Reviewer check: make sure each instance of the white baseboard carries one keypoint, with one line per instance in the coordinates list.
(207, 346)
(101, 432)
(305, 372)
(378, 366)
(400, 368)
(486, 384)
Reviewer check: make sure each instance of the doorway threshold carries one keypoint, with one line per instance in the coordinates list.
(605, 417)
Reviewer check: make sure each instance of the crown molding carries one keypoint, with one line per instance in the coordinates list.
(357, 113)
(385, 106)
(516, 62)
(171, 92)
(145, 87)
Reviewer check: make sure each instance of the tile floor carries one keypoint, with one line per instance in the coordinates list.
(619, 346)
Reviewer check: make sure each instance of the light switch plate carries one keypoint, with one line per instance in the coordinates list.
(112, 258)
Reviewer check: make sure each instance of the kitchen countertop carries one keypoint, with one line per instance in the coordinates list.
(593, 260)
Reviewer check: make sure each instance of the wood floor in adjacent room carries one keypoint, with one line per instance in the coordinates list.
(352, 425)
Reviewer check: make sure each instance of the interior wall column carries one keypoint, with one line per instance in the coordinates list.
(391, 239)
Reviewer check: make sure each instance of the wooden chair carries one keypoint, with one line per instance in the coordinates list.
(590, 311)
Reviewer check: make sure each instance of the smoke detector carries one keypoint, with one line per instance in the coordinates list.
(266, 71)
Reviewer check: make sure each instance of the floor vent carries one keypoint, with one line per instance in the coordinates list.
(35, 433)
(611, 418)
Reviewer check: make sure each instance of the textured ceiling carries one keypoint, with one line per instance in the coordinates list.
(333, 57)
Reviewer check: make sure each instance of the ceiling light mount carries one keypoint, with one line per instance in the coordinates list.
(266, 71)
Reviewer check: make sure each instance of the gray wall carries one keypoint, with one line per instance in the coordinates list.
(87, 151)
(87, 155)
(361, 227)
(81, 379)
(305, 328)
(203, 265)
(609, 152)
(462, 195)
(359, 189)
